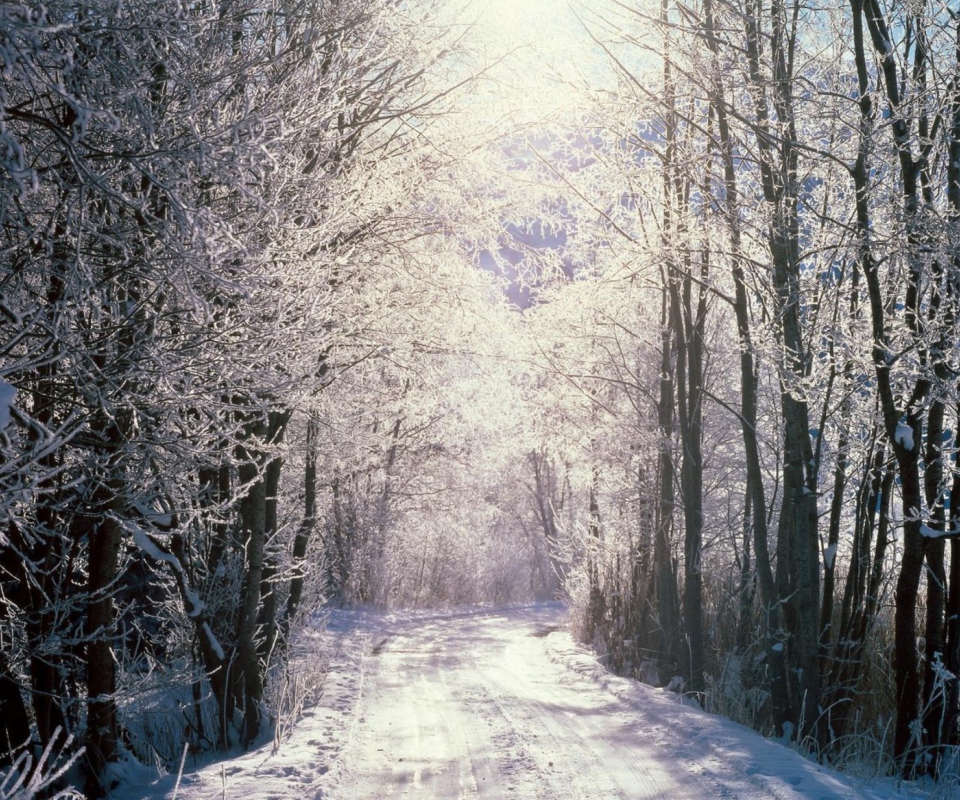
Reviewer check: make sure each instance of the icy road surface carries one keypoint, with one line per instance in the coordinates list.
(501, 704)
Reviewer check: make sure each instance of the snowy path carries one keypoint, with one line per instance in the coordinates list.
(492, 705)
(502, 704)
(475, 707)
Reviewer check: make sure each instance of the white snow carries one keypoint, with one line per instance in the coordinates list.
(145, 543)
(787, 731)
(7, 397)
(150, 547)
(931, 533)
(197, 606)
(213, 641)
(904, 436)
(161, 519)
(829, 555)
(503, 704)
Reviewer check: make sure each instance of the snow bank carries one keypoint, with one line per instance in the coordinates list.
(305, 763)
(736, 757)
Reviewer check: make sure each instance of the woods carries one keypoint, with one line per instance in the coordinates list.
(185, 193)
(806, 217)
(291, 319)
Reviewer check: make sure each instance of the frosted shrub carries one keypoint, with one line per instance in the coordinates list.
(24, 782)
(296, 683)
(729, 695)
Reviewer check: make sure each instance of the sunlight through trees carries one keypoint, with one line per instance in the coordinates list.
(647, 306)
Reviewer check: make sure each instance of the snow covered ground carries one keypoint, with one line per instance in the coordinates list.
(502, 704)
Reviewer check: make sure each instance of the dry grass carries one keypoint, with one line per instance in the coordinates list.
(298, 683)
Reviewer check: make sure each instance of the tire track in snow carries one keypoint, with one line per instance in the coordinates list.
(414, 738)
(584, 745)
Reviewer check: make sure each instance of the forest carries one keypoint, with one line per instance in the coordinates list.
(318, 303)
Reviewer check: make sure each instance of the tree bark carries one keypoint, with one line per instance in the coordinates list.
(267, 617)
(951, 722)
(252, 524)
(798, 578)
(304, 532)
(662, 590)
(102, 732)
(860, 603)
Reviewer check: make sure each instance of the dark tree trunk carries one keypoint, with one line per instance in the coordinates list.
(828, 633)
(934, 693)
(304, 532)
(211, 651)
(830, 554)
(769, 599)
(267, 619)
(339, 546)
(951, 724)
(252, 524)
(858, 612)
(597, 607)
(688, 333)
(102, 732)
(746, 589)
(903, 427)
(46, 550)
(798, 577)
(215, 494)
(664, 621)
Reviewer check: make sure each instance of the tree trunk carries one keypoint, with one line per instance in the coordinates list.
(951, 723)
(252, 523)
(688, 334)
(748, 389)
(859, 598)
(597, 608)
(746, 589)
(830, 554)
(102, 732)
(339, 546)
(215, 492)
(211, 651)
(903, 428)
(545, 504)
(662, 591)
(798, 577)
(267, 618)
(304, 532)
(934, 691)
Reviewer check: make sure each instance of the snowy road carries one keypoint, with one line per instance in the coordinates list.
(500, 704)
(491, 705)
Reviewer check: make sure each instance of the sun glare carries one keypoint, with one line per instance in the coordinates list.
(543, 54)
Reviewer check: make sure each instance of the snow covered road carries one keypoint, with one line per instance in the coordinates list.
(473, 706)
(485, 703)
(496, 705)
